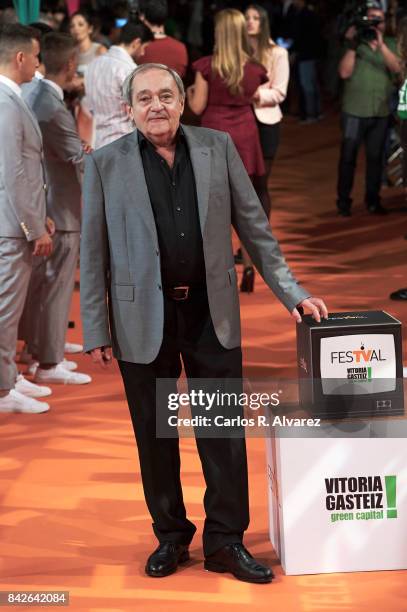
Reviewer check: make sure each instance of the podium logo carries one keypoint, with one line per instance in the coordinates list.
(361, 498)
(358, 356)
(357, 359)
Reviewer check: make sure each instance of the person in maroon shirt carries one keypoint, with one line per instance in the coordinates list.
(225, 84)
(163, 49)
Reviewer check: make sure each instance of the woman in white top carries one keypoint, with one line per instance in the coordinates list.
(270, 95)
(81, 30)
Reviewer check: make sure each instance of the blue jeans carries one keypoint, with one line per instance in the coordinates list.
(310, 99)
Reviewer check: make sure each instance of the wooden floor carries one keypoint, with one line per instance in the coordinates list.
(72, 513)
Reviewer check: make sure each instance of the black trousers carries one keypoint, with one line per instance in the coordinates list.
(269, 139)
(188, 333)
(355, 130)
(269, 135)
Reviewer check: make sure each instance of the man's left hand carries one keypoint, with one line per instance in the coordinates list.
(379, 39)
(87, 148)
(50, 225)
(315, 305)
(378, 42)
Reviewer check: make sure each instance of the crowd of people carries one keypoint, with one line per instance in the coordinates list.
(73, 104)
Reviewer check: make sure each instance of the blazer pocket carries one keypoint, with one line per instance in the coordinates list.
(123, 292)
(232, 276)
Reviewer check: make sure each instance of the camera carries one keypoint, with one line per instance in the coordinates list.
(366, 28)
(133, 6)
(355, 14)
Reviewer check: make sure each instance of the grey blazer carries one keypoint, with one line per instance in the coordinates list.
(121, 292)
(22, 182)
(63, 156)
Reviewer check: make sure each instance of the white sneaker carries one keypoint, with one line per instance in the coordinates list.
(17, 402)
(70, 347)
(29, 389)
(68, 365)
(60, 375)
(32, 367)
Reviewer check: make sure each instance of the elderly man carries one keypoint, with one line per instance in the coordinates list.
(158, 205)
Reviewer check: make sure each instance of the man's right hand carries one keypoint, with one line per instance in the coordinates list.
(43, 245)
(102, 356)
(352, 38)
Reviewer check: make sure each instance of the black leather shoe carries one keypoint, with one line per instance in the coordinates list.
(247, 283)
(237, 560)
(377, 210)
(238, 256)
(401, 295)
(344, 207)
(165, 559)
(344, 212)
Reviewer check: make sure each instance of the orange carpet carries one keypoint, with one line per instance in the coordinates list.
(72, 514)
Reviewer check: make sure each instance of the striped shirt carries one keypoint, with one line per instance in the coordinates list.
(103, 85)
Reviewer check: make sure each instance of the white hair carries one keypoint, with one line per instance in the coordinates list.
(127, 88)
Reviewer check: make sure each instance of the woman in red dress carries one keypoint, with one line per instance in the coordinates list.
(225, 83)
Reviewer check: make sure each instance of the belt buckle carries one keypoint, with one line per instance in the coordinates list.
(183, 297)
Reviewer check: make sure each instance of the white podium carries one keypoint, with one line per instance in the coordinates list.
(338, 502)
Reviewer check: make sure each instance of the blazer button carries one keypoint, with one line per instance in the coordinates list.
(157, 252)
(159, 288)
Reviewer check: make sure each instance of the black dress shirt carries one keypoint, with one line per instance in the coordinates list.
(174, 201)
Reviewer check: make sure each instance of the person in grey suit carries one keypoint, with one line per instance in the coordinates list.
(27, 88)
(23, 231)
(158, 283)
(46, 313)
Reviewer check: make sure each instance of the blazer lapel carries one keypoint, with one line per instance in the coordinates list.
(133, 172)
(201, 163)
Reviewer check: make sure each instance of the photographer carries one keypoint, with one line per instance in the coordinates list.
(367, 67)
